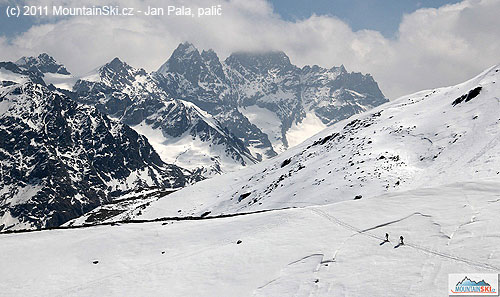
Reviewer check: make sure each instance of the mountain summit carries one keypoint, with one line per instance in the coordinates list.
(61, 159)
(180, 131)
(426, 139)
(259, 103)
(264, 99)
(43, 63)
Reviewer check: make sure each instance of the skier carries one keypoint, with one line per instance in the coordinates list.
(401, 240)
(386, 236)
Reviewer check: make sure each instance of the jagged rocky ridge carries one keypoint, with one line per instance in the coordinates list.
(262, 103)
(61, 159)
(75, 172)
(426, 139)
(180, 131)
(42, 64)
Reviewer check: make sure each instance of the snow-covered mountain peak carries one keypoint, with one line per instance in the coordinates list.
(210, 53)
(202, 73)
(119, 72)
(183, 133)
(429, 138)
(262, 99)
(260, 62)
(43, 63)
(186, 48)
(185, 60)
(115, 75)
(10, 72)
(117, 65)
(60, 159)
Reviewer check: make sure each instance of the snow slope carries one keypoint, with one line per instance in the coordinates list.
(268, 122)
(190, 152)
(299, 132)
(179, 130)
(429, 138)
(61, 81)
(333, 250)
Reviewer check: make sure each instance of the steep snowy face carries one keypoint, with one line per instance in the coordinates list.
(187, 136)
(43, 64)
(200, 77)
(249, 90)
(59, 159)
(334, 94)
(429, 138)
(115, 86)
(119, 75)
(203, 80)
(181, 132)
(261, 102)
(270, 81)
(305, 99)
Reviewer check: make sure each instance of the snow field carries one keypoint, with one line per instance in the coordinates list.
(333, 250)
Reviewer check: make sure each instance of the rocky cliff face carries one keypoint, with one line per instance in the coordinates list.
(70, 144)
(260, 103)
(181, 132)
(43, 63)
(60, 159)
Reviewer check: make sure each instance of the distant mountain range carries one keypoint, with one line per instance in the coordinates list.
(426, 139)
(259, 104)
(72, 143)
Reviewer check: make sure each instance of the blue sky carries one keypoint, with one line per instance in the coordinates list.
(429, 48)
(380, 15)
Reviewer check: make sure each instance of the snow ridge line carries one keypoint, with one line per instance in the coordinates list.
(164, 219)
(395, 221)
(412, 245)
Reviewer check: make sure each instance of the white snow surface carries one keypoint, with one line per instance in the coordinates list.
(310, 125)
(61, 81)
(417, 140)
(268, 122)
(92, 76)
(333, 250)
(186, 151)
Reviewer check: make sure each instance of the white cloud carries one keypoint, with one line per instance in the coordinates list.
(434, 47)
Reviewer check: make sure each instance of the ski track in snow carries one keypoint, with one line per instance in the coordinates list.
(446, 226)
(296, 278)
(311, 251)
(409, 244)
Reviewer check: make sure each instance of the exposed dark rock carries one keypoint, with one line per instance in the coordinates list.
(467, 97)
(243, 196)
(286, 162)
(61, 159)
